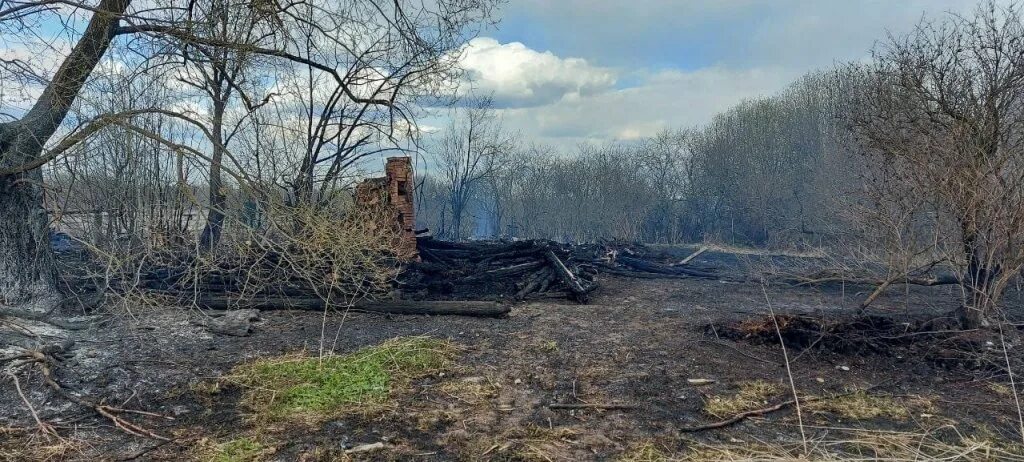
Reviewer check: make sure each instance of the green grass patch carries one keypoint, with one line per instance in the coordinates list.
(290, 386)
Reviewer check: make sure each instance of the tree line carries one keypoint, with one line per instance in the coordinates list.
(912, 160)
(762, 173)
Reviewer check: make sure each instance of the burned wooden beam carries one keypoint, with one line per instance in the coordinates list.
(515, 269)
(432, 307)
(651, 267)
(534, 283)
(570, 279)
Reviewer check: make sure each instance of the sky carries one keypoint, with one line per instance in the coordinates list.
(565, 72)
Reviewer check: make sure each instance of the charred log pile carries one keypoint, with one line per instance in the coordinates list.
(494, 269)
(266, 281)
(531, 269)
(470, 278)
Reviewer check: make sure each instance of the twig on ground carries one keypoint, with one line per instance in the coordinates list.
(810, 347)
(144, 451)
(756, 412)
(44, 427)
(43, 362)
(738, 417)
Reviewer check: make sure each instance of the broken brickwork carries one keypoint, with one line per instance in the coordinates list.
(396, 190)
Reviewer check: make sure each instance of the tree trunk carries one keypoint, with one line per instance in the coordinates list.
(28, 276)
(210, 237)
(457, 211)
(979, 298)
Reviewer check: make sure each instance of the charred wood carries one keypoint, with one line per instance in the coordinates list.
(455, 307)
(651, 267)
(568, 278)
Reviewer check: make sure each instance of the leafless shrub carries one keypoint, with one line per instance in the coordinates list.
(938, 115)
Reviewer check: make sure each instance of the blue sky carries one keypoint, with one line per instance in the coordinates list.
(565, 72)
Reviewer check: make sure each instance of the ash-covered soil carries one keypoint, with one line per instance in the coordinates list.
(639, 343)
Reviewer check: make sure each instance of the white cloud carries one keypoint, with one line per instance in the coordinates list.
(518, 76)
(658, 64)
(661, 100)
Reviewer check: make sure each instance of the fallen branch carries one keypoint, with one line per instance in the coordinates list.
(830, 277)
(43, 427)
(692, 256)
(138, 454)
(767, 410)
(738, 417)
(43, 362)
(365, 448)
(651, 267)
(457, 307)
(609, 269)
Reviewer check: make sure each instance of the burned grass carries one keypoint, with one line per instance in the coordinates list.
(22, 446)
(639, 343)
(937, 340)
(526, 443)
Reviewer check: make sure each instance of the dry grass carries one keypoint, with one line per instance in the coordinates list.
(645, 452)
(861, 405)
(242, 449)
(470, 390)
(527, 443)
(314, 388)
(38, 447)
(756, 251)
(862, 445)
(548, 346)
(1000, 389)
(752, 395)
(536, 443)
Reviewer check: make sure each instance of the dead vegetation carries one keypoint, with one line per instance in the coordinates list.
(852, 444)
(862, 405)
(750, 396)
(935, 339)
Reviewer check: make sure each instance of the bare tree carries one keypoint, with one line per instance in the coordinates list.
(218, 73)
(665, 160)
(467, 154)
(940, 115)
(29, 139)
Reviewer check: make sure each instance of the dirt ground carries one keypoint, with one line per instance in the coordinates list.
(650, 345)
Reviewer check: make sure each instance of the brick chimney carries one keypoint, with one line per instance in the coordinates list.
(400, 180)
(396, 189)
